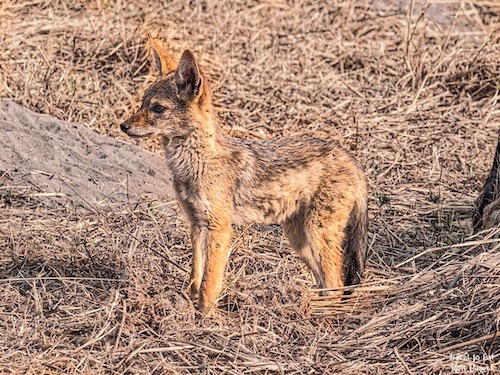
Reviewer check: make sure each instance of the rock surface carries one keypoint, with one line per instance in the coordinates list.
(68, 162)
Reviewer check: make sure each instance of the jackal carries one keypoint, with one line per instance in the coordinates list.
(487, 210)
(313, 187)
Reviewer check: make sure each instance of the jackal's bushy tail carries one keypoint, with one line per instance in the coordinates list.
(490, 191)
(356, 241)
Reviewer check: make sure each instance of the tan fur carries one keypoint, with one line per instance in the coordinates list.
(312, 186)
(158, 53)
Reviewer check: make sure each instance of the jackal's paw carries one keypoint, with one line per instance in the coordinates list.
(333, 295)
(205, 308)
(194, 292)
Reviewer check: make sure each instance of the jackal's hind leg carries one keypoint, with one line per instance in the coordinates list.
(317, 236)
(326, 231)
(295, 231)
(326, 243)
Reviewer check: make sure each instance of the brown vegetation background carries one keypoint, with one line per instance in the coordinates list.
(409, 87)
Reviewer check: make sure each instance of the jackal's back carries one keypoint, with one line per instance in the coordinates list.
(278, 177)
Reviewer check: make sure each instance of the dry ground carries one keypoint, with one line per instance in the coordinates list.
(411, 88)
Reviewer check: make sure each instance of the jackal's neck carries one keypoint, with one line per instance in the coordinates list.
(189, 157)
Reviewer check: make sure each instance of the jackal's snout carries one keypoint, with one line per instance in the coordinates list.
(139, 125)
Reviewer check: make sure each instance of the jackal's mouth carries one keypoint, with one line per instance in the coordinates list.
(138, 132)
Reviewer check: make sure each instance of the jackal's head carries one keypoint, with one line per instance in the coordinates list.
(178, 103)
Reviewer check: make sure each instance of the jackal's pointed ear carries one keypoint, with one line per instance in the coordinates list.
(159, 56)
(188, 77)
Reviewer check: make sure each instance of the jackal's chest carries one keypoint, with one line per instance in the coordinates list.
(196, 204)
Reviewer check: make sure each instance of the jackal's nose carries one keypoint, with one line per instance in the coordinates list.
(125, 126)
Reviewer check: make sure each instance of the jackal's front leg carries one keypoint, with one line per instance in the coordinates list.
(218, 243)
(199, 243)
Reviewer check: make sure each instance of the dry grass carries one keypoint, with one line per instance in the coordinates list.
(410, 88)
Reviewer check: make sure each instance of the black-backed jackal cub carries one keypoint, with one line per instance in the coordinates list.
(312, 186)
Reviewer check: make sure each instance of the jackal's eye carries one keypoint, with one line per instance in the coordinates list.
(157, 108)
